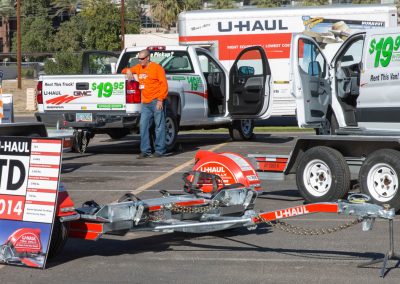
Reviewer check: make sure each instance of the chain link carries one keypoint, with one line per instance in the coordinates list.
(194, 209)
(298, 230)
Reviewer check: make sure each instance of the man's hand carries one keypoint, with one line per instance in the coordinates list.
(129, 75)
(159, 105)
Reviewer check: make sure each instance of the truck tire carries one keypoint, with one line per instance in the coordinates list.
(328, 126)
(323, 175)
(379, 177)
(118, 133)
(242, 129)
(171, 130)
(58, 238)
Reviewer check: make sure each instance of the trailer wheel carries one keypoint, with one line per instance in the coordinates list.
(380, 176)
(58, 238)
(323, 175)
(241, 129)
(171, 130)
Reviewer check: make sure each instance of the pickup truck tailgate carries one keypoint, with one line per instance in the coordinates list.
(84, 93)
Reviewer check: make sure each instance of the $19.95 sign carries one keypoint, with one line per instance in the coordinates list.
(29, 176)
(384, 48)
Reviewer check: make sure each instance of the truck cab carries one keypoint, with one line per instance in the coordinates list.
(355, 93)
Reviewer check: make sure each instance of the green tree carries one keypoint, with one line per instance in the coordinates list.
(165, 12)
(188, 5)
(314, 2)
(7, 10)
(101, 29)
(132, 17)
(366, 1)
(35, 8)
(223, 4)
(65, 6)
(69, 36)
(63, 63)
(36, 35)
(269, 3)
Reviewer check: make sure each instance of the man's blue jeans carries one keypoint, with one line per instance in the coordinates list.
(148, 115)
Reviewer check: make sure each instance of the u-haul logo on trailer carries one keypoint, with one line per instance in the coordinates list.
(290, 212)
(251, 26)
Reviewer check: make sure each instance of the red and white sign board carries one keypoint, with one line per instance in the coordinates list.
(29, 178)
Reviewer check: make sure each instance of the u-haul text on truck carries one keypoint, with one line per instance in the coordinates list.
(227, 32)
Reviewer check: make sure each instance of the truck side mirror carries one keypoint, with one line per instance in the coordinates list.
(246, 70)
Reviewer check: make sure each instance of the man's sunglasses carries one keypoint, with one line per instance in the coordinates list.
(143, 58)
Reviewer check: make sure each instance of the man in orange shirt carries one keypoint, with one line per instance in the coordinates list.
(154, 90)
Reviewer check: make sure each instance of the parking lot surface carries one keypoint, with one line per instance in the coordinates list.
(109, 169)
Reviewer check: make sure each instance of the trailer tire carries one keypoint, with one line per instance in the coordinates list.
(58, 238)
(380, 177)
(323, 175)
(171, 131)
(242, 129)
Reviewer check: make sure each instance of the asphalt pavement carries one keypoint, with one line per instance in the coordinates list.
(110, 168)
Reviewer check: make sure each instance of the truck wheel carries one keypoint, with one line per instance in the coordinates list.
(58, 238)
(323, 175)
(81, 141)
(241, 129)
(328, 126)
(380, 175)
(118, 133)
(171, 130)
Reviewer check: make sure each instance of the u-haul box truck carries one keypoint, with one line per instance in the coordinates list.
(227, 32)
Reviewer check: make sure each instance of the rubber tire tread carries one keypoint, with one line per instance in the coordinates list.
(171, 115)
(339, 169)
(236, 132)
(387, 156)
(58, 238)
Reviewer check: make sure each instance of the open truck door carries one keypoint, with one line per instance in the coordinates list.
(310, 81)
(250, 85)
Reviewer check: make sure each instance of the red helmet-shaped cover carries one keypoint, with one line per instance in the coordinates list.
(231, 167)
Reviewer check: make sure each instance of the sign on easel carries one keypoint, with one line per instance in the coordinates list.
(29, 179)
(1, 95)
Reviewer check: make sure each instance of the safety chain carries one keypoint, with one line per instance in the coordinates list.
(159, 216)
(298, 230)
(194, 209)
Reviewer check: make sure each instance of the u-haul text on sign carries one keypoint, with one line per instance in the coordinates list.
(29, 174)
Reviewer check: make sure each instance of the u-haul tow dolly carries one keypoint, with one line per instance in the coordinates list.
(211, 202)
(199, 212)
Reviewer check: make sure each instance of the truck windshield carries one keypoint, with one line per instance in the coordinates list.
(172, 61)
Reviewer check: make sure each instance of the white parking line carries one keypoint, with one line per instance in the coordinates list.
(173, 171)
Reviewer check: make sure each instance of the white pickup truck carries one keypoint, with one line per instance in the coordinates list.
(201, 94)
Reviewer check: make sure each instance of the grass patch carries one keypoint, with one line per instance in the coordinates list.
(260, 129)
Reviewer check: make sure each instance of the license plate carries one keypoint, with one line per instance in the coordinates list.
(84, 117)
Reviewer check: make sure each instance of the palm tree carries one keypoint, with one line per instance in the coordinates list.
(68, 6)
(7, 10)
(165, 12)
